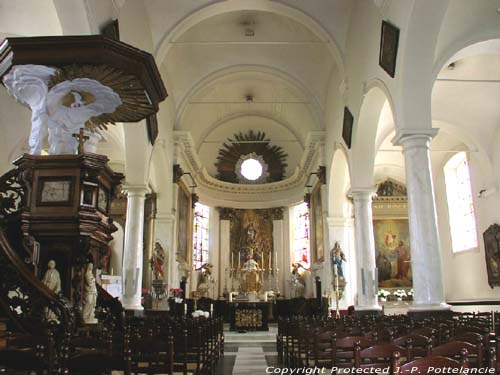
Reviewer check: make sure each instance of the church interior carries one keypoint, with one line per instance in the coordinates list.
(249, 186)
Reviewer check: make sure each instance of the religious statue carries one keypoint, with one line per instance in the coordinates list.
(205, 279)
(89, 296)
(251, 277)
(52, 280)
(61, 110)
(297, 281)
(157, 262)
(250, 239)
(183, 267)
(337, 257)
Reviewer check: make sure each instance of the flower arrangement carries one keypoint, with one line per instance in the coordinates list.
(400, 293)
(411, 292)
(177, 293)
(383, 293)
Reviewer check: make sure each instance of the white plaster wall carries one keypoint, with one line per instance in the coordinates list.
(465, 273)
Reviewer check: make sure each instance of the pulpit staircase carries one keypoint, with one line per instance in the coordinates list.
(24, 298)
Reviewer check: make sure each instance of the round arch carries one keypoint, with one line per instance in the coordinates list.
(363, 150)
(339, 183)
(453, 49)
(257, 5)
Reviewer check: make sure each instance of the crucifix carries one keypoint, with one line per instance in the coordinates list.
(81, 138)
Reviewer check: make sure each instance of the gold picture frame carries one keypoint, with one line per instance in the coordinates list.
(316, 221)
(184, 223)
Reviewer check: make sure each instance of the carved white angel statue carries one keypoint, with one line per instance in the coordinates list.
(89, 296)
(60, 111)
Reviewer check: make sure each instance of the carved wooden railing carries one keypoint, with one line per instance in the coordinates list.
(25, 299)
(109, 310)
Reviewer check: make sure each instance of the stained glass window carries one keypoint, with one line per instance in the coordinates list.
(200, 234)
(301, 248)
(460, 203)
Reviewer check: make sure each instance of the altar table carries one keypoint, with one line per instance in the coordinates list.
(249, 316)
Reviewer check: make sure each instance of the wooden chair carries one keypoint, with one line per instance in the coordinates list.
(419, 345)
(428, 365)
(453, 350)
(13, 361)
(378, 356)
(343, 349)
(322, 354)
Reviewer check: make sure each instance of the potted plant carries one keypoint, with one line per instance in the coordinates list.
(383, 294)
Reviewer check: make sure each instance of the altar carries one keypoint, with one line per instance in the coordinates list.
(249, 316)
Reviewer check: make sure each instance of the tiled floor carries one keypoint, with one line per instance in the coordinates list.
(248, 353)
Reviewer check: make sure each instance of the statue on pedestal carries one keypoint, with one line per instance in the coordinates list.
(297, 282)
(205, 280)
(52, 280)
(337, 256)
(157, 262)
(89, 296)
(251, 278)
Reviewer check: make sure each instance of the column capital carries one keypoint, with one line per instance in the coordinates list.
(415, 137)
(136, 190)
(362, 193)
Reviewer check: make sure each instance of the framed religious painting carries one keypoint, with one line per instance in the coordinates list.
(492, 254)
(392, 252)
(55, 191)
(389, 41)
(184, 223)
(316, 218)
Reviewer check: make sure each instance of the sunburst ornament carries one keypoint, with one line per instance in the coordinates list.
(251, 159)
(252, 169)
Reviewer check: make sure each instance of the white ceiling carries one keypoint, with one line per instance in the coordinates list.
(284, 66)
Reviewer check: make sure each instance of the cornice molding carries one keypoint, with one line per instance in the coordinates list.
(185, 147)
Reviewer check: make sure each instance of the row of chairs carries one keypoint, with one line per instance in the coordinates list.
(307, 342)
(147, 346)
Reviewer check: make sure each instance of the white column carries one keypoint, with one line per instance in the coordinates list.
(340, 229)
(424, 237)
(133, 249)
(365, 249)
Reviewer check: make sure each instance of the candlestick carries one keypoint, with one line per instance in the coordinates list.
(185, 309)
(265, 296)
(231, 265)
(230, 296)
(270, 263)
(211, 309)
(239, 259)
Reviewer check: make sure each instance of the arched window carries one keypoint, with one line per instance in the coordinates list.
(200, 234)
(460, 203)
(301, 248)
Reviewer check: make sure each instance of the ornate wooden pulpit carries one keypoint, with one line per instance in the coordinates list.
(67, 212)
